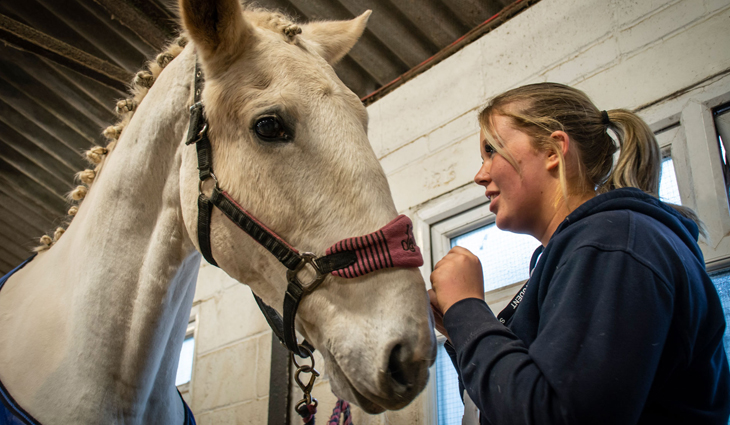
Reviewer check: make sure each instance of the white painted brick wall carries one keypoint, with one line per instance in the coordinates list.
(623, 53)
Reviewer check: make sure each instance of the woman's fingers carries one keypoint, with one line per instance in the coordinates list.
(457, 276)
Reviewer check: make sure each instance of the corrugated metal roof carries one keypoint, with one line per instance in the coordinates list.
(65, 63)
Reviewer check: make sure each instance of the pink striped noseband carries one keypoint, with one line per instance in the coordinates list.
(391, 246)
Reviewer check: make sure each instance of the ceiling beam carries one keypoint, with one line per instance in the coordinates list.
(11, 251)
(26, 38)
(17, 236)
(5, 267)
(12, 140)
(48, 78)
(27, 218)
(69, 157)
(151, 29)
(31, 170)
(48, 204)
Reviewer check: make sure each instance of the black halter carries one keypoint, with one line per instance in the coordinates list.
(285, 253)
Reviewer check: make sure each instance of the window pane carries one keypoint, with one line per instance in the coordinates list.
(721, 279)
(185, 366)
(668, 188)
(505, 256)
(450, 406)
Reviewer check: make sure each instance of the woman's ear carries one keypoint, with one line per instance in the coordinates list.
(561, 141)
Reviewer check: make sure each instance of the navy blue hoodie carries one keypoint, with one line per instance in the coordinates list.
(619, 324)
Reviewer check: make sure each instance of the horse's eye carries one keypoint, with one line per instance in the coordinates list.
(270, 129)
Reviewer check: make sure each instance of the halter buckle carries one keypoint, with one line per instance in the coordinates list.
(293, 275)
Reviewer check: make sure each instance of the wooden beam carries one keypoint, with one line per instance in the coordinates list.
(11, 139)
(25, 217)
(70, 156)
(47, 203)
(26, 38)
(17, 236)
(154, 30)
(30, 170)
(48, 111)
(49, 78)
(12, 251)
(159, 16)
(5, 267)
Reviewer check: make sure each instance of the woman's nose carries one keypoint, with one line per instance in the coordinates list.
(483, 178)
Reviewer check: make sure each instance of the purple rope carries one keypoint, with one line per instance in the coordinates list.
(341, 408)
(347, 417)
(308, 415)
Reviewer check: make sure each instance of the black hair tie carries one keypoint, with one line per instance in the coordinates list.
(604, 118)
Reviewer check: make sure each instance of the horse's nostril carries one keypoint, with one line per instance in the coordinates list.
(397, 366)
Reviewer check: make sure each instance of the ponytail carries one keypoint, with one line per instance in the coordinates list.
(639, 161)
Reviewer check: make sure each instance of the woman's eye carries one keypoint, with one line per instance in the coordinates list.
(488, 149)
(269, 128)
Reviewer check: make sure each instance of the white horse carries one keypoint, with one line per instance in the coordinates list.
(91, 329)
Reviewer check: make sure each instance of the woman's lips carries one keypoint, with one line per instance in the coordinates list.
(492, 196)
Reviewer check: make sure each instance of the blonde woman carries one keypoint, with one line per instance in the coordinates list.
(619, 322)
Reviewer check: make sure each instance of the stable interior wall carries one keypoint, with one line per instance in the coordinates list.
(622, 53)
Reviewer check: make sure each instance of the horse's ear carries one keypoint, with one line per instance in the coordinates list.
(218, 29)
(333, 39)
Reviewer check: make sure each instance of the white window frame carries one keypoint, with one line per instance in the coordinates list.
(692, 138)
(186, 389)
(423, 217)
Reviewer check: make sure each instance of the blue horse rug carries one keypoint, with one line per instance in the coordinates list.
(12, 414)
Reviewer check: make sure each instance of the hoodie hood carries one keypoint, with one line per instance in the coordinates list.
(633, 199)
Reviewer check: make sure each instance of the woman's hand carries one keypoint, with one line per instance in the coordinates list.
(457, 276)
(438, 316)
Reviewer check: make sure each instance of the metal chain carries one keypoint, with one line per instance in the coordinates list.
(308, 404)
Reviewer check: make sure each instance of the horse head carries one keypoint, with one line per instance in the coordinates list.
(289, 144)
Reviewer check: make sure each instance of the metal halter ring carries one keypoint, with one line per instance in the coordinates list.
(308, 354)
(293, 275)
(200, 184)
(305, 368)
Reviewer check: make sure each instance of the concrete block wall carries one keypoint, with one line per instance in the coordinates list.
(230, 382)
(623, 53)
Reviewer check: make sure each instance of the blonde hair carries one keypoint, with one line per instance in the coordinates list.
(543, 108)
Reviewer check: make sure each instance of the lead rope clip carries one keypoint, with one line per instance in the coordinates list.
(307, 406)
